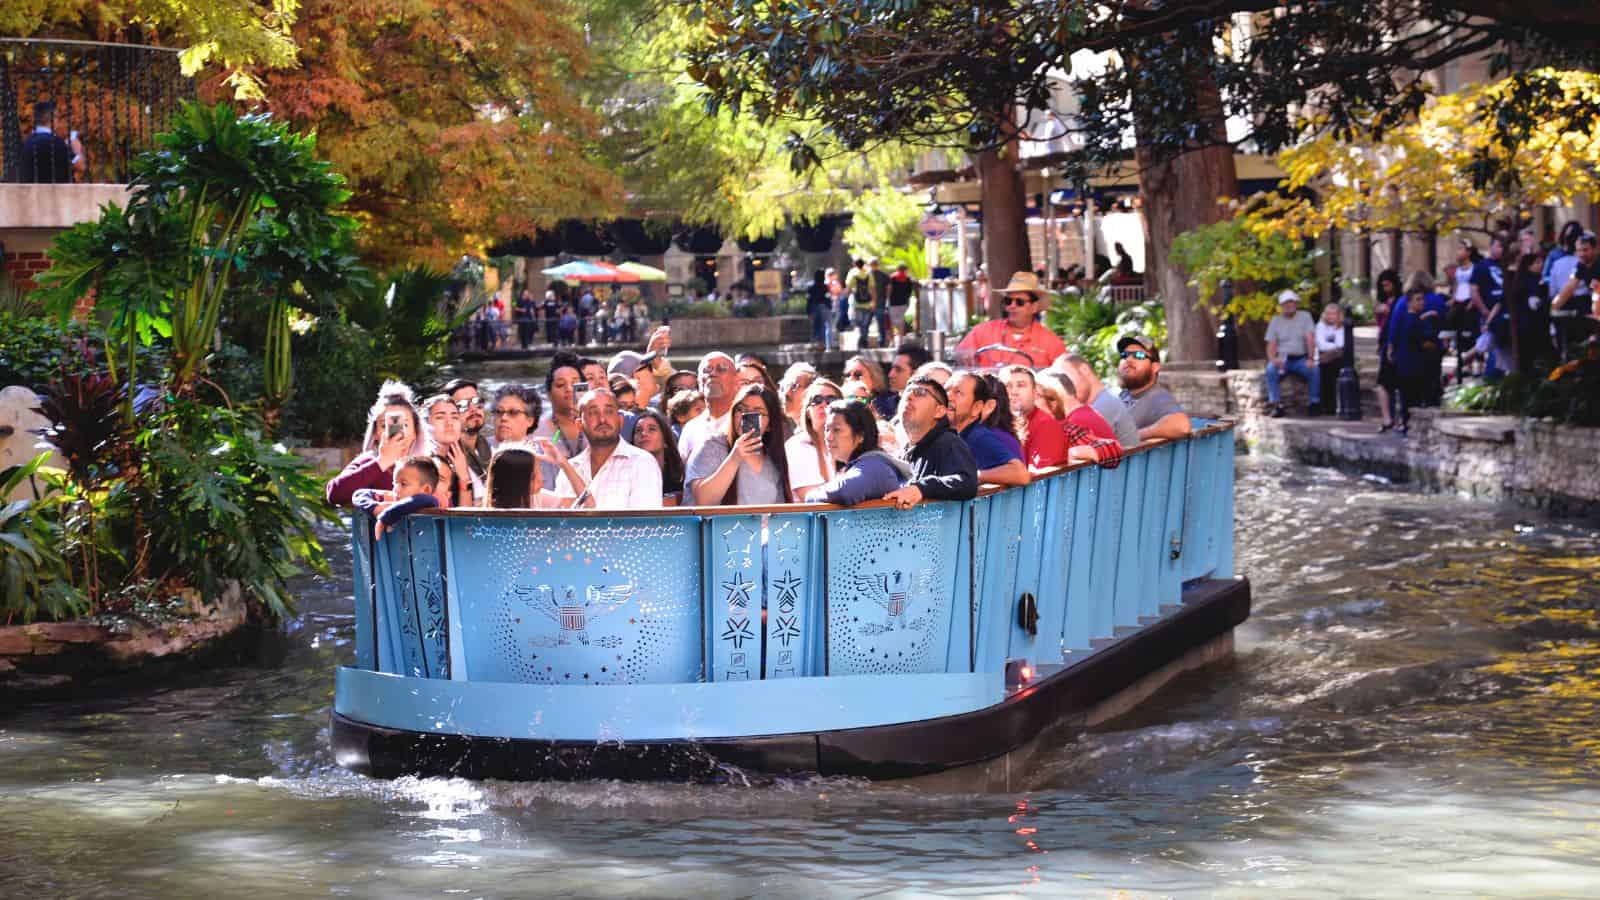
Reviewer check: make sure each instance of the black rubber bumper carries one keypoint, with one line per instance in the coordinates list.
(1210, 609)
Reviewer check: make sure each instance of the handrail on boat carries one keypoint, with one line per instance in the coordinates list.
(1217, 427)
(709, 594)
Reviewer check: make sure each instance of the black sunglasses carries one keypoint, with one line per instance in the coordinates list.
(1136, 354)
(821, 399)
(1018, 301)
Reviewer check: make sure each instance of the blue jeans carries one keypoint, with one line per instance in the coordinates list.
(1296, 365)
(821, 322)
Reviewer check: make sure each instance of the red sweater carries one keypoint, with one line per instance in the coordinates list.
(1087, 418)
(1046, 445)
(363, 472)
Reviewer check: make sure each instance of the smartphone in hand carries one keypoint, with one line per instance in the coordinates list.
(750, 423)
(395, 423)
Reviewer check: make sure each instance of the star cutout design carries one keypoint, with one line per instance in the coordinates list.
(788, 591)
(738, 590)
(787, 542)
(787, 629)
(737, 631)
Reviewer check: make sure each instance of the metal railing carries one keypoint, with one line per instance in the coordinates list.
(117, 97)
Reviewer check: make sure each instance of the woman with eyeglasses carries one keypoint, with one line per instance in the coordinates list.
(652, 433)
(745, 465)
(394, 432)
(809, 465)
(864, 471)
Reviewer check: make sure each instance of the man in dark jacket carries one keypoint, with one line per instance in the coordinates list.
(942, 467)
(46, 158)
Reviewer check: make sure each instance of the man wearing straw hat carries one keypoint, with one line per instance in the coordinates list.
(1019, 332)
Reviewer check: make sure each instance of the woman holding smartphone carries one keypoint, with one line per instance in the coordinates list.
(745, 466)
(394, 432)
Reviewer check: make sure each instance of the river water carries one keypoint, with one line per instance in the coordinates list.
(1414, 707)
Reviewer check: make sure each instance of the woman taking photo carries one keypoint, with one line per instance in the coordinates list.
(809, 465)
(394, 432)
(652, 434)
(744, 465)
(865, 472)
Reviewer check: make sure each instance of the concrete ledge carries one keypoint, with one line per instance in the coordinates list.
(56, 206)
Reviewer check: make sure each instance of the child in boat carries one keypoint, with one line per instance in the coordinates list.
(416, 486)
(516, 482)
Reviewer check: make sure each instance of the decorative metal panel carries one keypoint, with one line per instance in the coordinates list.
(427, 589)
(891, 588)
(1055, 552)
(578, 601)
(793, 620)
(734, 584)
(365, 599)
(1036, 550)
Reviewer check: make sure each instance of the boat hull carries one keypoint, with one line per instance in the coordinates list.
(1089, 687)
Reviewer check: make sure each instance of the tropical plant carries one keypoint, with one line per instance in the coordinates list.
(1085, 329)
(36, 351)
(223, 505)
(411, 319)
(216, 170)
(35, 584)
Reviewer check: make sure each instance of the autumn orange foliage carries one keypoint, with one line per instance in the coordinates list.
(454, 120)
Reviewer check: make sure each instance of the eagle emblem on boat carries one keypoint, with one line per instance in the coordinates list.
(895, 591)
(573, 614)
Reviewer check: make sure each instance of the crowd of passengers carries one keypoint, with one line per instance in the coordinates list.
(634, 434)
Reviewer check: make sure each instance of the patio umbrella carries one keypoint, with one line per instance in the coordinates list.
(618, 273)
(580, 271)
(645, 273)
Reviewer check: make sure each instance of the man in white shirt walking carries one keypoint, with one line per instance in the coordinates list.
(619, 475)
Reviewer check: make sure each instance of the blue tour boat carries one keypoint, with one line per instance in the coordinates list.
(867, 641)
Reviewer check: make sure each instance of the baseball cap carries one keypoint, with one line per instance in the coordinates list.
(628, 362)
(1288, 296)
(1140, 339)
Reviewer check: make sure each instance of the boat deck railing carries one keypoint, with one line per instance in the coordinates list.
(721, 594)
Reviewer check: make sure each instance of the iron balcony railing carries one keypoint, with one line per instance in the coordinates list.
(117, 97)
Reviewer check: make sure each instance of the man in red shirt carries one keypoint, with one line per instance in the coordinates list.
(1019, 335)
(1081, 414)
(1043, 443)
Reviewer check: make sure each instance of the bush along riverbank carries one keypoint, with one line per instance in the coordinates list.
(175, 517)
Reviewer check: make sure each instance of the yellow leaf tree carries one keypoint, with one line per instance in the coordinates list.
(1466, 162)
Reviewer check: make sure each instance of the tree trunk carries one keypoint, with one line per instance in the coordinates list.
(1005, 223)
(1181, 193)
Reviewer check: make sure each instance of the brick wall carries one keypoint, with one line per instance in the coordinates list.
(24, 265)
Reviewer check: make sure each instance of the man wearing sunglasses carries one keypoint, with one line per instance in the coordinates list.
(942, 466)
(465, 394)
(1154, 410)
(1020, 330)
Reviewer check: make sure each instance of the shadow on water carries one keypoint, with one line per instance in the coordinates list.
(1412, 707)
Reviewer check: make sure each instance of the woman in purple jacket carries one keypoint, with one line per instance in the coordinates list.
(394, 432)
(864, 472)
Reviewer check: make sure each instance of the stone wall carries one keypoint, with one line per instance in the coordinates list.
(1535, 463)
(733, 332)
